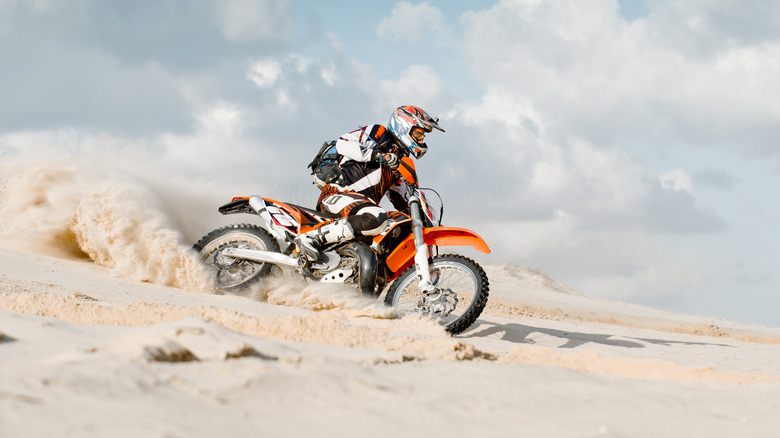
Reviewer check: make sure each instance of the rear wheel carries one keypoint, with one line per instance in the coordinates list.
(230, 274)
(464, 292)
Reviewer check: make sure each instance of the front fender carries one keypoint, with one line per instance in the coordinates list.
(403, 255)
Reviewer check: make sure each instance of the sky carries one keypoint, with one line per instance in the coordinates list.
(624, 148)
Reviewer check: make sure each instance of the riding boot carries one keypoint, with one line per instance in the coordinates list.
(309, 244)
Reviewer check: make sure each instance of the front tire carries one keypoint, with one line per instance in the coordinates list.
(457, 276)
(229, 274)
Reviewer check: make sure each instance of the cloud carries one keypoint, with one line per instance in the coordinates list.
(126, 67)
(499, 106)
(610, 80)
(716, 178)
(703, 29)
(418, 85)
(525, 174)
(89, 90)
(578, 92)
(415, 23)
(677, 180)
(251, 20)
(264, 73)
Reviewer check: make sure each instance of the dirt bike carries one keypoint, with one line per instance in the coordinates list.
(450, 288)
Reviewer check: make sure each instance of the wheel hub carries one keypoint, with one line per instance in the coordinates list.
(223, 261)
(439, 303)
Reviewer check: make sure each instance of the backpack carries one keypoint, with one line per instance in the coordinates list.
(325, 166)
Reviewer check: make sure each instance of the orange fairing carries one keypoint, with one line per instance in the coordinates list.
(437, 236)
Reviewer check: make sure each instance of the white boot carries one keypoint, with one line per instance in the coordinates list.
(310, 243)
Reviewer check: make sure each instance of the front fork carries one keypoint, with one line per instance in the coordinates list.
(434, 301)
(421, 256)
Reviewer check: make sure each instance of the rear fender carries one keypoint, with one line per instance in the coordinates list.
(237, 205)
(403, 256)
(279, 218)
(257, 206)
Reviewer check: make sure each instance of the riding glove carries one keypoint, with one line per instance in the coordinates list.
(390, 160)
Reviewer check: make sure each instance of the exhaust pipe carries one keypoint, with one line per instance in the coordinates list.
(257, 255)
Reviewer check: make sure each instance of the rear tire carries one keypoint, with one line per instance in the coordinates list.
(233, 275)
(459, 276)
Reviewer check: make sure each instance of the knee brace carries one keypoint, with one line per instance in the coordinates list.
(370, 222)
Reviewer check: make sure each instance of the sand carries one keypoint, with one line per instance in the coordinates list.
(85, 353)
(108, 328)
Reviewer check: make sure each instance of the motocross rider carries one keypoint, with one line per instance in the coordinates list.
(370, 155)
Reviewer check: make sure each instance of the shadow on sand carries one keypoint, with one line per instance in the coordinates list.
(521, 334)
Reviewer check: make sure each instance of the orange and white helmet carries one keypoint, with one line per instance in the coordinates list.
(403, 120)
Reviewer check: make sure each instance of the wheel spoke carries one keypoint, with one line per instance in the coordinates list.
(462, 283)
(235, 274)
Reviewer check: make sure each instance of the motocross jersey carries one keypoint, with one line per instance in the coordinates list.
(361, 171)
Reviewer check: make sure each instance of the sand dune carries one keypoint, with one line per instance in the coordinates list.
(108, 328)
(97, 355)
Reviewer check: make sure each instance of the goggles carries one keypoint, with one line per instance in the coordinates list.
(418, 134)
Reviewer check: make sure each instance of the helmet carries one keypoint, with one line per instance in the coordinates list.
(403, 120)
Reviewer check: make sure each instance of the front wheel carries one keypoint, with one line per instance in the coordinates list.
(464, 292)
(229, 274)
